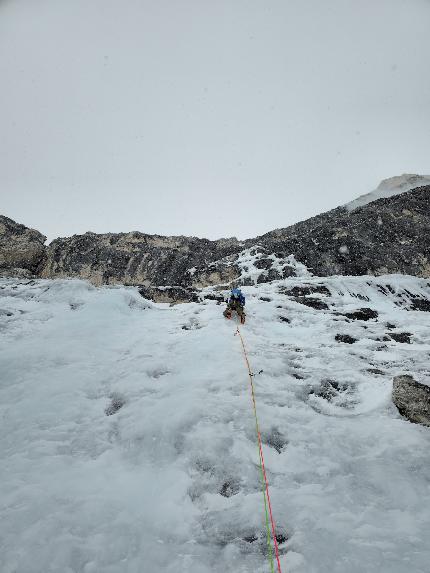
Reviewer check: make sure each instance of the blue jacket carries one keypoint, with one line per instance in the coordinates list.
(240, 300)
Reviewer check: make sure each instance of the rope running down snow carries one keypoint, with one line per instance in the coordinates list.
(264, 481)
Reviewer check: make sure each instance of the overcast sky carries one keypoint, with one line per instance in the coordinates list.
(206, 117)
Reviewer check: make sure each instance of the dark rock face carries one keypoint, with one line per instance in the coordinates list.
(265, 264)
(301, 294)
(316, 303)
(404, 337)
(345, 338)
(218, 298)
(172, 295)
(140, 259)
(362, 314)
(22, 250)
(412, 399)
(386, 236)
(421, 304)
(305, 290)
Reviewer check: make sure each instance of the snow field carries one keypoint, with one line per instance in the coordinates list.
(169, 480)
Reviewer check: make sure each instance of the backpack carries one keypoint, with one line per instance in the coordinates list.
(236, 294)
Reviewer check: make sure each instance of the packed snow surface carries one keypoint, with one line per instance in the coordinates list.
(128, 440)
(389, 188)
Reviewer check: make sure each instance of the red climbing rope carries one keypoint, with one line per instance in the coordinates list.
(275, 542)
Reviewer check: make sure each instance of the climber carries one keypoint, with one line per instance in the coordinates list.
(237, 303)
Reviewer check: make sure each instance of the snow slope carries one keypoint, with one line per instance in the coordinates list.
(389, 188)
(168, 481)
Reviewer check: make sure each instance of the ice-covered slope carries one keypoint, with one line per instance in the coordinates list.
(389, 188)
(127, 436)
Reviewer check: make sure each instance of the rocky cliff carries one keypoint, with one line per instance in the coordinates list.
(389, 235)
(140, 259)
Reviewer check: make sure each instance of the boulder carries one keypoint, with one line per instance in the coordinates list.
(22, 250)
(362, 314)
(403, 337)
(412, 399)
(172, 295)
(316, 303)
(345, 338)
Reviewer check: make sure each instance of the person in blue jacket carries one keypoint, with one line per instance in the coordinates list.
(236, 302)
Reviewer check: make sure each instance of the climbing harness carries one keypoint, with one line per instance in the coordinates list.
(264, 482)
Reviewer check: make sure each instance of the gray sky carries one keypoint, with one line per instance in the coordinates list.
(203, 117)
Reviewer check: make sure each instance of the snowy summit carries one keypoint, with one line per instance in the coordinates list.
(389, 188)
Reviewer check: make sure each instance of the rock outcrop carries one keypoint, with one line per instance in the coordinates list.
(412, 399)
(172, 295)
(389, 235)
(141, 259)
(22, 250)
